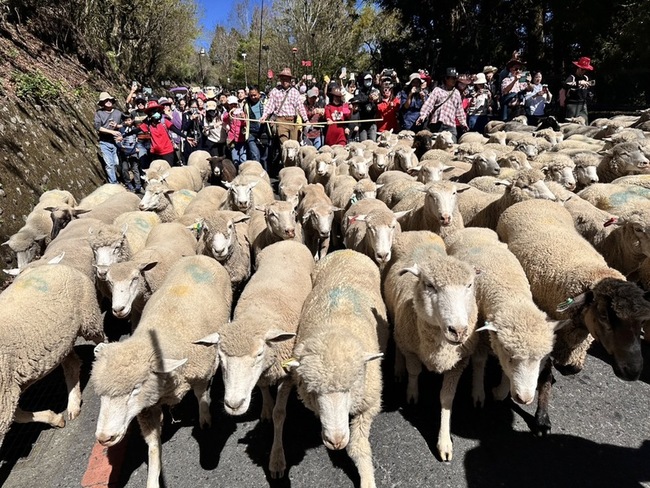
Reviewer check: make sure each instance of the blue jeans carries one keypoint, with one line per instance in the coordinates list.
(317, 142)
(477, 122)
(111, 160)
(238, 153)
(257, 150)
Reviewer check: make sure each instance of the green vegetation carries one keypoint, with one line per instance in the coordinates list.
(36, 86)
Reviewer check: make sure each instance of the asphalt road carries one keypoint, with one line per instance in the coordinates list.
(600, 438)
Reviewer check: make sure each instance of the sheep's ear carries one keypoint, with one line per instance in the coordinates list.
(414, 270)
(169, 365)
(354, 218)
(164, 176)
(612, 221)
(12, 272)
(38, 238)
(487, 326)
(503, 182)
(242, 218)
(290, 364)
(252, 185)
(379, 186)
(448, 168)
(50, 209)
(307, 215)
(209, 339)
(557, 325)
(261, 208)
(274, 336)
(460, 187)
(57, 259)
(544, 169)
(399, 215)
(79, 211)
(99, 348)
(573, 303)
(371, 356)
(227, 184)
(125, 227)
(6, 243)
(414, 170)
(142, 267)
(336, 209)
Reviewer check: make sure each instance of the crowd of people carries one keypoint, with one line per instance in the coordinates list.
(251, 124)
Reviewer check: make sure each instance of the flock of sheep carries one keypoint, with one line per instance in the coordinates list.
(538, 237)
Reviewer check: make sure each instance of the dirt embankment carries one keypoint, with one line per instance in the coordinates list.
(47, 141)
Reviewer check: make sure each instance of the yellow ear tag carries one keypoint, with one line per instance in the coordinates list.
(285, 364)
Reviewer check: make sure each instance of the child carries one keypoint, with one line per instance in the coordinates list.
(129, 154)
(236, 124)
(336, 111)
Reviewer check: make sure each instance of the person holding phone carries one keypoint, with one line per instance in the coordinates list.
(537, 99)
(513, 89)
(578, 89)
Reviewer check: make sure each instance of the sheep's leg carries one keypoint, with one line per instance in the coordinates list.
(544, 383)
(324, 245)
(44, 416)
(501, 392)
(202, 393)
(400, 366)
(267, 404)
(277, 462)
(71, 367)
(479, 359)
(413, 366)
(150, 421)
(359, 448)
(447, 394)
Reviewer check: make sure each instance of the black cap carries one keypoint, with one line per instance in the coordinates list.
(451, 73)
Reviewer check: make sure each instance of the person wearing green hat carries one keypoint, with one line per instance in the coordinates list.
(107, 122)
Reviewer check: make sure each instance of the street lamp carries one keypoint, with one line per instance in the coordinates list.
(243, 55)
(201, 54)
(295, 65)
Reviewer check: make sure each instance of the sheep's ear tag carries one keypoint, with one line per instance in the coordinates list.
(565, 305)
(611, 221)
(353, 199)
(197, 227)
(487, 326)
(290, 363)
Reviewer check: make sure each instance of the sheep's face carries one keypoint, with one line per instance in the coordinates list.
(243, 360)
(379, 161)
(515, 161)
(381, 233)
(26, 246)
(359, 169)
(445, 299)
(614, 314)
(486, 164)
(105, 256)
(406, 159)
(125, 283)
(431, 173)
(441, 201)
(61, 216)
(361, 192)
(445, 140)
(290, 154)
(320, 219)
(155, 198)
(221, 241)
(529, 150)
(634, 161)
(324, 168)
(562, 175)
(241, 196)
(126, 395)
(522, 190)
(586, 175)
(281, 220)
(290, 193)
(356, 150)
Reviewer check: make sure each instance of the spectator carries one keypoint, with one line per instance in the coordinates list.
(313, 136)
(493, 87)
(129, 153)
(168, 113)
(354, 118)
(411, 100)
(480, 103)
(577, 88)
(159, 127)
(537, 99)
(144, 141)
(257, 135)
(336, 111)
(235, 140)
(513, 89)
(214, 131)
(285, 103)
(107, 120)
(241, 98)
(368, 97)
(445, 106)
(388, 109)
(193, 124)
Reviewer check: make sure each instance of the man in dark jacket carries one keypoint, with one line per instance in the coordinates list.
(368, 97)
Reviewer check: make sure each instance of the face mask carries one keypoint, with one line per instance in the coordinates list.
(367, 83)
(156, 116)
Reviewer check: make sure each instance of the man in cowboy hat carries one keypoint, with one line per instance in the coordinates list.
(578, 89)
(411, 99)
(513, 89)
(445, 106)
(285, 104)
(107, 121)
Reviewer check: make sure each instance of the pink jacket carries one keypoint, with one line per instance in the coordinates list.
(235, 125)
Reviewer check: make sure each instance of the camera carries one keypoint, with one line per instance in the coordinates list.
(195, 111)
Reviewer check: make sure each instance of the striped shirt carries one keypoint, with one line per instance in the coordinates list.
(292, 106)
(449, 108)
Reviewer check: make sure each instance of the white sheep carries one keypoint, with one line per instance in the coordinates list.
(315, 212)
(623, 159)
(255, 168)
(161, 361)
(369, 227)
(272, 223)
(259, 340)
(342, 333)
(615, 198)
(42, 313)
(444, 141)
(321, 169)
(393, 192)
(488, 184)
(430, 170)
(571, 281)
(179, 178)
(379, 162)
(247, 191)
(628, 244)
(522, 336)
(168, 204)
(473, 137)
(291, 180)
(586, 168)
(431, 301)
(200, 159)
(639, 180)
(132, 282)
(290, 149)
(515, 160)
(557, 167)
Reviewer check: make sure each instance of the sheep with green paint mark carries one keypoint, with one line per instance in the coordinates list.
(342, 333)
(615, 198)
(42, 313)
(162, 361)
(168, 204)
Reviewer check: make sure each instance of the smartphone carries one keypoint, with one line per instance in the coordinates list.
(344, 71)
(523, 77)
(134, 85)
(592, 82)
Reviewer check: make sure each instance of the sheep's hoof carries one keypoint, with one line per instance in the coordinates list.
(568, 369)
(59, 421)
(445, 450)
(73, 413)
(542, 425)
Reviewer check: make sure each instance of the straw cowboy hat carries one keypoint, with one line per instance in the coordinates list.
(480, 79)
(414, 76)
(584, 63)
(103, 97)
(285, 72)
(490, 69)
(210, 94)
